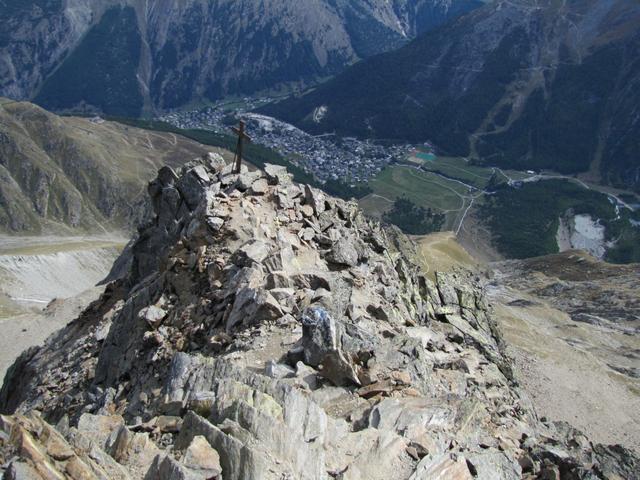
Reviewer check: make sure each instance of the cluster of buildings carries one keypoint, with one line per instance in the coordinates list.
(325, 156)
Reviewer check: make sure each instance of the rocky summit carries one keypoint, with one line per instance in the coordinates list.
(264, 330)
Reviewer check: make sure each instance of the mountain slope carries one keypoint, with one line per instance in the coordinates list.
(527, 84)
(268, 331)
(571, 323)
(120, 56)
(66, 174)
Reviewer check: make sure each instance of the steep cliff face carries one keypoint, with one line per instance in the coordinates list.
(118, 56)
(266, 330)
(35, 36)
(65, 174)
(519, 84)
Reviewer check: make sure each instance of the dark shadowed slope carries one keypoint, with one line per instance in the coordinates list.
(133, 56)
(519, 84)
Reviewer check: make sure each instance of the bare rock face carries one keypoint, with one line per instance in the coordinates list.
(241, 349)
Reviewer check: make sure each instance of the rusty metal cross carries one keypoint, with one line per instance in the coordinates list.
(239, 130)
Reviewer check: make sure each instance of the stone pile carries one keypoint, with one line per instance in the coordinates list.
(267, 331)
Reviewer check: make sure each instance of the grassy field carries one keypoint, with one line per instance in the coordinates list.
(519, 222)
(458, 168)
(375, 205)
(446, 184)
(423, 188)
(441, 252)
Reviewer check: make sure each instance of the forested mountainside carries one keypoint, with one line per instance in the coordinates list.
(126, 57)
(529, 84)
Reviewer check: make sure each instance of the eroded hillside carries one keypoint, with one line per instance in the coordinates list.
(572, 324)
(76, 175)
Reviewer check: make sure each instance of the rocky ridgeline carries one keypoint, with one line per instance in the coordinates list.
(267, 331)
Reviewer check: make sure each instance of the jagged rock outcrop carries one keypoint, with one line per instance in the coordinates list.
(266, 330)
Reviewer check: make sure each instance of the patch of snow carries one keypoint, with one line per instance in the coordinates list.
(319, 113)
(583, 233)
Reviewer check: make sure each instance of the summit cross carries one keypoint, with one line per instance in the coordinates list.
(239, 131)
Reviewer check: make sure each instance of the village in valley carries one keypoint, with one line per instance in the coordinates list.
(454, 189)
(327, 157)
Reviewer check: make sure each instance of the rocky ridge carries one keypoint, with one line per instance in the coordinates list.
(266, 330)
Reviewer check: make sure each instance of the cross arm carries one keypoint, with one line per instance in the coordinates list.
(241, 134)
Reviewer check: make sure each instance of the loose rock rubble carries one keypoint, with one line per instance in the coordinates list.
(266, 330)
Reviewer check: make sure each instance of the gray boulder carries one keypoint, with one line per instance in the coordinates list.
(322, 342)
(253, 252)
(344, 253)
(315, 198)
(202, 459)
(277, 174)
(193, 185)
(246, 180)
(279, 370)
(214, 162)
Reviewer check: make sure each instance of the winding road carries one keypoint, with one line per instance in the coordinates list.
(469, 200)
